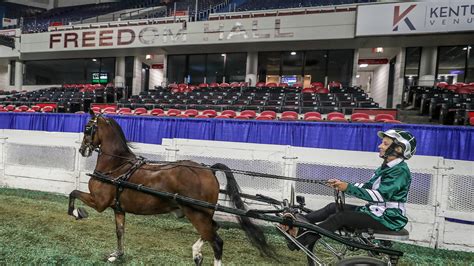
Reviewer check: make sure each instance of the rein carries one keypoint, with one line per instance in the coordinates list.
(207, 166)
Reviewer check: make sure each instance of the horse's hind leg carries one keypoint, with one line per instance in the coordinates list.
(80, 213)
(120, 230)
(205, 226)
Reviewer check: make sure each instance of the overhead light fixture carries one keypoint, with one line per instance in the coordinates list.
(293, 53)
(377, 50)
(467, 47)
(94, 60)
(148, 56)
(357, 76)
(222, 54)
(363, 65)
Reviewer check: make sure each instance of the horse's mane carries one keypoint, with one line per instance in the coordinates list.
(126, 146)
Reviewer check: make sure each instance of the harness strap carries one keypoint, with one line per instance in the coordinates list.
(140, 161)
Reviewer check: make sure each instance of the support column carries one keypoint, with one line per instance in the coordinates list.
(18, 75)
(119, 71)
(251, 69)
(428, 66)
(355, 67)
(164, 83)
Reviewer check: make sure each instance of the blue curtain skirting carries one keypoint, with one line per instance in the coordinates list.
(451, 142)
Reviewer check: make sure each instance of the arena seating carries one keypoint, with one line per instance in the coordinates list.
(444, 103)
(283, 4)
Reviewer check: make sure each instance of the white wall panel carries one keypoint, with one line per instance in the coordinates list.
(380, 84)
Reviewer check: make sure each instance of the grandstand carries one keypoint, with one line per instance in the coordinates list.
(232, 56)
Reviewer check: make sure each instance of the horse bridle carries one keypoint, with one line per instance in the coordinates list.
(90, 131)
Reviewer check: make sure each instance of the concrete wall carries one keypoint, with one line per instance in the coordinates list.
(156, 77)
(380, 85)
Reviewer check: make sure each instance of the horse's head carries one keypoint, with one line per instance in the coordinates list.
(91, 140)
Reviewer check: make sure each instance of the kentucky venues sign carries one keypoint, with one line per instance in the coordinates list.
(415, 18)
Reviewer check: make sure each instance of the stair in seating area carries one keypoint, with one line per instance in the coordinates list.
(412, 117)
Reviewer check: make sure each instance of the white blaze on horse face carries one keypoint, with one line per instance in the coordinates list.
(197, 247)
(217, 262)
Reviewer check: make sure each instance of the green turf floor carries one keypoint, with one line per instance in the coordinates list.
(35, 229)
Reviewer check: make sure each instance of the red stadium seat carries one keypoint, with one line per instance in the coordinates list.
(140, 111)
(203, 85)
(33, 111)
(187, 89)
(17, 110)
(210, 113)
(214, 85)
(465, 90)
(182, 115)
(191, 112)
(308, 90)
(271, 85)
(355, 117)
(335, 84)
(223, 116)
(109, 110)
(317, 84)
(242, 117)
(451, 87)
(202, 116)
(47, 109)
(10, 107)
(95, 109)
(250, 113)
(471, 121)
(312, 114)
(23, 108)
(156, 111)
(282, 85)
(235, 84)
(333, 115)
(272, 114)
(322, 90)
(229, 113)
(260, 84)
(224, 85)
(383, 117)
(313, 118)
(289, 115)
(442, 85)
(173, 112)
(124, 111)
(264, 117)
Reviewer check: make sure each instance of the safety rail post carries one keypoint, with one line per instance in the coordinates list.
(289, 170)
(171, 149)
(77, 161)
(3, 140)
(442, 198)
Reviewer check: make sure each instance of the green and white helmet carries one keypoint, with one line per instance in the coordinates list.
(402, 138)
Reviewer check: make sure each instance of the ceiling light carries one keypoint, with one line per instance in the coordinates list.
(148, 56)
(363, 65)
(357, 76)
(293, 53)
(222, 54)
(93, 59)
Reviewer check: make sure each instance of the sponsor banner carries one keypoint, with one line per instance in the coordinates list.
(247, 30)
(415, 18)
(7, 22)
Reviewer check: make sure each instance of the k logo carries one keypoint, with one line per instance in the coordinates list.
(397, 17)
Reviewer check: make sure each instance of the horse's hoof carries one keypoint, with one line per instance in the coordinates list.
(198, 260)
(114, 256)
(80, 213)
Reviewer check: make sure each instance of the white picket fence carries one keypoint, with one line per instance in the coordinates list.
(442, 190)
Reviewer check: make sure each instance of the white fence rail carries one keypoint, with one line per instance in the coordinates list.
(441, 198)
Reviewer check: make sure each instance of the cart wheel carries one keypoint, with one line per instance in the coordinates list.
(361, 261)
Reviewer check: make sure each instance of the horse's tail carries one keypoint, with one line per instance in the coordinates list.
(253, 232)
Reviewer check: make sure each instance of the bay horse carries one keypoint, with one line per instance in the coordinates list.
(187, 178)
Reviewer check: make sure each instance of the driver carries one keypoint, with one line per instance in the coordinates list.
(386, 193)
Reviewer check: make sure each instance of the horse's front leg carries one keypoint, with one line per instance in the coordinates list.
(120, 230)
(80, 213)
